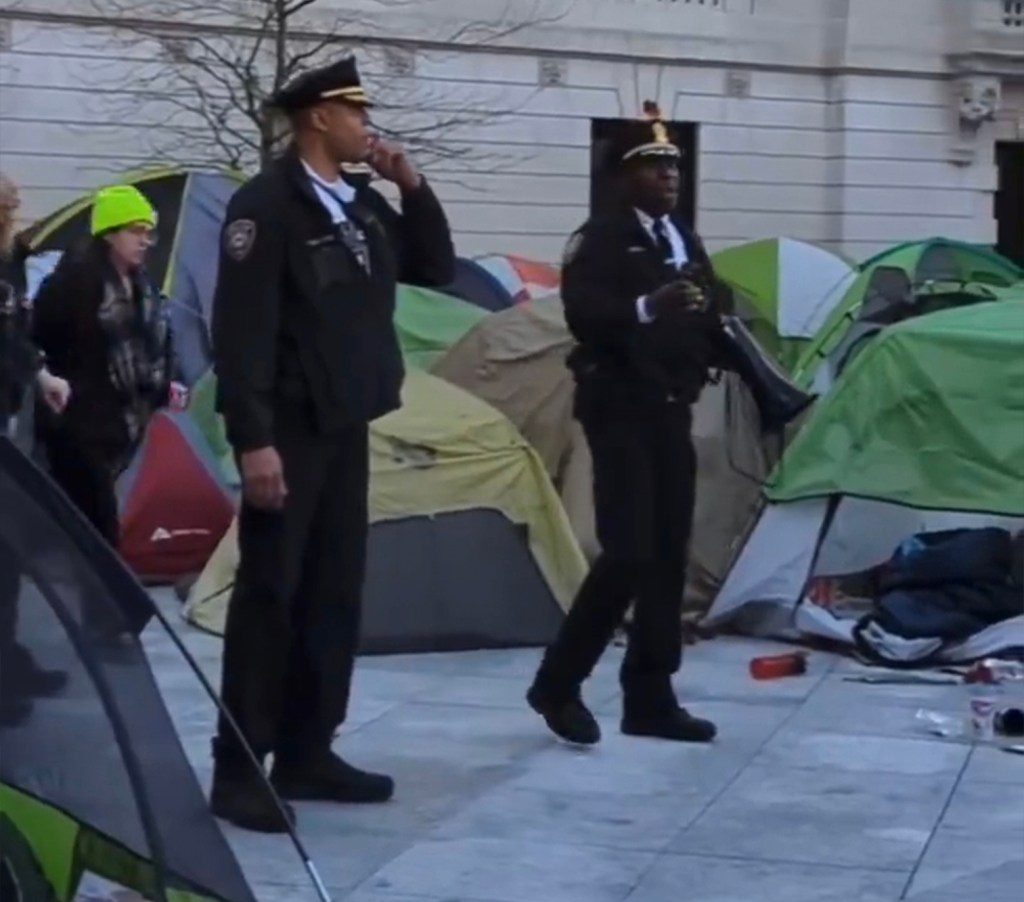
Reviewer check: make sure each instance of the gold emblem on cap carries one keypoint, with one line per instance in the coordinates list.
(652, 112)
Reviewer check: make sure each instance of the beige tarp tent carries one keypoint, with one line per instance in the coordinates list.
(444, 456)
(515, 360)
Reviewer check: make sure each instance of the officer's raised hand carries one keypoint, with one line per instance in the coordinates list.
(390, 162)
(263, 478)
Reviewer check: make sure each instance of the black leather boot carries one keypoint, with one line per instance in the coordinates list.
(568, 719)
(241, 795)
(322, 776)
(670, 722)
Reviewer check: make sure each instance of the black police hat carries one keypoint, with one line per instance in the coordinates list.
(338, 81)
(645, 140)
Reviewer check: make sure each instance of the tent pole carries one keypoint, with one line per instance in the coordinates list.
(826, 524)
(300, 847)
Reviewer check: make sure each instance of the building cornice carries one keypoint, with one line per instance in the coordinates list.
(749, 45)
(1007, 65)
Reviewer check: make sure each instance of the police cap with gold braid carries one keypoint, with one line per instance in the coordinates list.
(338, 81)
(645, 140)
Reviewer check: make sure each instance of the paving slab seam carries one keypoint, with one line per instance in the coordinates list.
(757, 859)
(484, 706)
(351, 731)
(664, 850)
(796, 709)
(938, 821)
(385, 896)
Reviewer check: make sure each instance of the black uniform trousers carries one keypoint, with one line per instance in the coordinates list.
(293, 620)
(644, 470)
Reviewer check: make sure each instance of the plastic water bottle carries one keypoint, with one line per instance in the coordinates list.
(985, 691)
(984, 704)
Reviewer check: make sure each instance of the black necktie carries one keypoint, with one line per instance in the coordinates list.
(664, 245)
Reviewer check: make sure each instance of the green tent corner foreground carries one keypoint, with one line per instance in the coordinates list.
(924, 430)
(895, 276)
(792, 286)
(96, 793)
(49, 856)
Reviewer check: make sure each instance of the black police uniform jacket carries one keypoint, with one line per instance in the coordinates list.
(298, 321)
(610, 262)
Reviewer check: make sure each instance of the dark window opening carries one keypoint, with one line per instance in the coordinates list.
(1009, 200)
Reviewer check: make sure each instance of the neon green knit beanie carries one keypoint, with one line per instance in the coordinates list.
(119, 206)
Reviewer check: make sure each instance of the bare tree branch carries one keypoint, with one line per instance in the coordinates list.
(207, 67)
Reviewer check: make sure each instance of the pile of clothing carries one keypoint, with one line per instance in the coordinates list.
(940, 589)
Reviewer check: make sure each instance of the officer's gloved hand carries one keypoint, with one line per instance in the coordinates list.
(675, 297)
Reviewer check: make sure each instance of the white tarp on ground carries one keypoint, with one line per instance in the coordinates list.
(764, 593)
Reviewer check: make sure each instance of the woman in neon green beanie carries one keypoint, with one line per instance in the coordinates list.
(104, 328)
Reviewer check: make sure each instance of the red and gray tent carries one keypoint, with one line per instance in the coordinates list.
(174, 503)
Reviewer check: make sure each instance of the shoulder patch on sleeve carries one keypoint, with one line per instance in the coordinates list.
(239, 238)
(572, 247)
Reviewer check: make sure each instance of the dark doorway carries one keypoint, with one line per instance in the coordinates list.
(1009, 201)
(604, 131)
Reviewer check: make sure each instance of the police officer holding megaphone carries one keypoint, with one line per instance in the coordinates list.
(652, 324)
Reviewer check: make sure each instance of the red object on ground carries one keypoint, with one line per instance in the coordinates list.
(773, 667)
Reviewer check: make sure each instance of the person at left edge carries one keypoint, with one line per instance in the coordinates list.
(21, 365)
(306, 355)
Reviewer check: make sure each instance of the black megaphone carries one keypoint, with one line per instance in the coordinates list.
(779, 401)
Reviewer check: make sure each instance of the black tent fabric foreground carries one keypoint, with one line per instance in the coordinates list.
(96, 794)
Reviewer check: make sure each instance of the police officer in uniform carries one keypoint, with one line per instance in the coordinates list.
(306, 356)
(641, 299)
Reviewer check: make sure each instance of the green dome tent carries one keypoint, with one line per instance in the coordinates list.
(792, 286)
(921, 432)
(894, 278)
(925, 299)
(429, 323)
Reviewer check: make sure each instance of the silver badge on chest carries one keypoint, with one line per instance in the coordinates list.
(354, 238)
